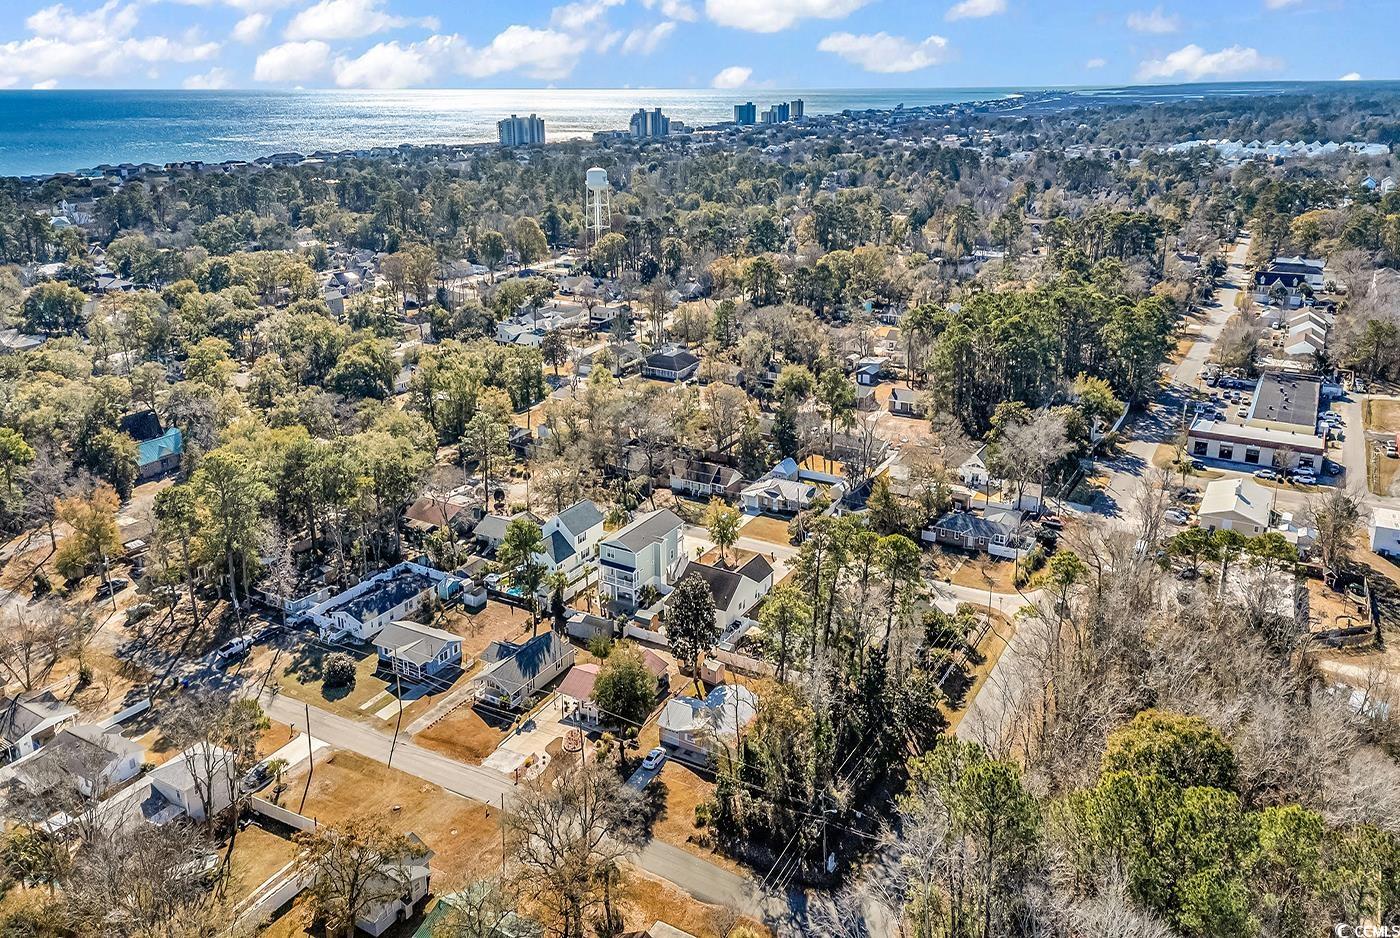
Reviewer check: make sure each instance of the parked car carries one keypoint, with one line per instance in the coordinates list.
(1268, 475)
(111, 587)
(271, 630)
(1241, 412)
(258, 777)
(138, 612)
(1176, 516)
(1332, 468)
(1390, 450)
(233, 650)
(654, 759)
(1304, 477)
(1187, 573)
(1052, 522)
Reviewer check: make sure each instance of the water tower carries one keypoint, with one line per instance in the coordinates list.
(597, 207)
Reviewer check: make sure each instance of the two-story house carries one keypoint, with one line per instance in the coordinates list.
(570, 540)
(647, 552)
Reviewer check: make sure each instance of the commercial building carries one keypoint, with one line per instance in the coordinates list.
(745, 114)
(520, 131)
(1254, 447)
(1285, 402)
(650, 123)
(797, 108)
(1241, 505)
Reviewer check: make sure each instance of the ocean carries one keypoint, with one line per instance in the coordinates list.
(64, 131)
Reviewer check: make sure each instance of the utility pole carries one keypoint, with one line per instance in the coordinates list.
(310, 760)
(398, 692)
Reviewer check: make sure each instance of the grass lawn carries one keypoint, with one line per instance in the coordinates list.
(464, 833)
(464, 735)
(1383, 416)
(646, 899)
(495, 622)
(768, 528)
(257, 855)
(685, 788)
(983, 572)
(301, 678)
(990, 648)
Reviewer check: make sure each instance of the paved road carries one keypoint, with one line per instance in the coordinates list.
(703, 880)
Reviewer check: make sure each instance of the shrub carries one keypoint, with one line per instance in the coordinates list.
(339, 670)
(600, 646)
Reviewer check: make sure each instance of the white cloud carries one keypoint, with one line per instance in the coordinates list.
(645, 41)
(735, 76)
(247, 6)
(674, 9)
(251, 27)
(48, 85)
(1096, 62)
(293, 61)
(770, 16)
(98, 44)
(975, 9)
(1280, 4)
(545, 54)
(1155, 22)
(346, 19)
(1194, 63)
(386, 65)
(881, 52)
(215, 79)
(582, 14)
(1350, 76)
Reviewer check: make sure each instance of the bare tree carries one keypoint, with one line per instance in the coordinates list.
(358, 864)
(34, 640)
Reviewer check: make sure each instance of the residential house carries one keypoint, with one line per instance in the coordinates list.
(973, 473)
(670, 363)
(696, 729)
(869, 370)
(700, 479)
(1241, 505)
(515, 673)
(368, 606)
(414, 875)
(996, 531)
(197, 784)
(906, 402)
(577, 687)
(570, 542)
(491, 530)
(777, 494)
(429, 513)
(866, 399)
(1385, 531)
(29, 720)
(12, 341)
(415, 651)
(91, 758)
(736, 591)
(621, 358)
(647, 552)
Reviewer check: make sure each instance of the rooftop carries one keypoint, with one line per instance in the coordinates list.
(647, 530)
(1291, 399)
(414, 642)
(385, 595)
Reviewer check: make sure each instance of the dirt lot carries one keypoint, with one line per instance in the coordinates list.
(768, 528)
(1382, 416)
(256, 856)
(464, 735)
(496, 622)
(647, 899)
(463, 833)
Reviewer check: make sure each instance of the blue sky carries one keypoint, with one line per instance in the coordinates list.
(686, 43)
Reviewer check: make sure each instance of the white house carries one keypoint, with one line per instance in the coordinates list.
(515, 673)
(1385, 531)
(670, 363)
(28, 721)
(570, 542)
(973, 471)
(1241, 505)
(416, 651)
(368, 606)
(695, 730)
(702, 479)
(736, 592)
(647, 552)
(414, 875)
(905, 402)
(92, 758)
(782, 496)
(197, 784)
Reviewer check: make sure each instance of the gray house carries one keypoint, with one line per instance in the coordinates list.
(515, 673)
(416, 651)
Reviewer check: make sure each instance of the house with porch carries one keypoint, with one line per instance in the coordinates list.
(736, 591)
(996, 531)
(697, 729)
(29, 720)
(570, 543)
(647, 552)
(415, 651)
(516, 672)
(368, 606)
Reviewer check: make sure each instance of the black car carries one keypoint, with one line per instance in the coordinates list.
(269, 631)
(111, 587)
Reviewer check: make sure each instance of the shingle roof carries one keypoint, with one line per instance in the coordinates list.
(19, 717)
(413, 641)
(516, 665)
(647, 529)
(580, 517)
